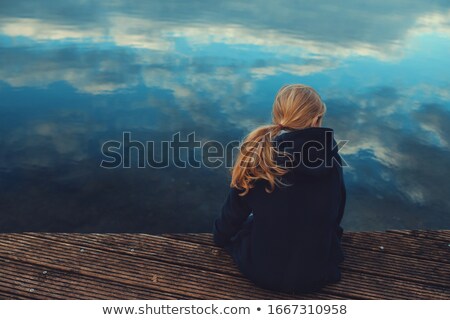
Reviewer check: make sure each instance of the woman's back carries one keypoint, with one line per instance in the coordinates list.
(292, 185)
(293, 242)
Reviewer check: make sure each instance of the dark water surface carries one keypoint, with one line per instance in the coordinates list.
(76, 74)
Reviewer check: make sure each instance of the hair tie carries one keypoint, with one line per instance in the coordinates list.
(280, 126)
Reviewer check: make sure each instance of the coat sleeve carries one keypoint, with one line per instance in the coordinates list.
(343, 194)
(341, 209)
(235, 211)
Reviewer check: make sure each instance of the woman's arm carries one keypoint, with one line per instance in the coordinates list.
(341, 209)
(234, 213)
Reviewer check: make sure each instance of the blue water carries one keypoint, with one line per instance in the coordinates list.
(76, 74)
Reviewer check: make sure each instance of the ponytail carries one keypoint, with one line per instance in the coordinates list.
(256, 160)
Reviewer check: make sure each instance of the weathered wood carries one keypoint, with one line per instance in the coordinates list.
(398, 264)
(153, 247)
(201, 254)
(398, 244)
(442, 235)
(135, 271)
(68, 284)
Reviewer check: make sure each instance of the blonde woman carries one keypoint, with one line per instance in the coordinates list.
(281, 219)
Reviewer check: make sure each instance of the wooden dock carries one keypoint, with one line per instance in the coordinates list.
(396, 264)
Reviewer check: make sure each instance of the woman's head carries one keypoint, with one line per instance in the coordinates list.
(296, 106)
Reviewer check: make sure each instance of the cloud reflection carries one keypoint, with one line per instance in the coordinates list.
(74, 74)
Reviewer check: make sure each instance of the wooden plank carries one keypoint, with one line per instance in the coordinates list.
(378, 262)
(160, 249)
(4, 295)
(130, 244)
(200, 238)
(388, 265)
(15, 292)
(69, 285)
(365, 286)
(200, 253)
(181, 266)
(399, 244)
(132, 270)
(31, 290)
(196, 257)
(152, 247)
(439, 235)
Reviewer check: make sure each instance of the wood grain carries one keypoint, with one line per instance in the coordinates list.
(396, 264)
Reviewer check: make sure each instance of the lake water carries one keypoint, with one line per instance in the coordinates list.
(75, 75)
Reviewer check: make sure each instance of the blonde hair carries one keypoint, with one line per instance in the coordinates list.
(296, 106)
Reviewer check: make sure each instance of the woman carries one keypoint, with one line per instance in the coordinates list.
(281, 219)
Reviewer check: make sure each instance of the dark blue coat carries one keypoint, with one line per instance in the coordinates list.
(289, 240)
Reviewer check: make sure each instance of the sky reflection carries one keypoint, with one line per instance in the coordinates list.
(75, 75)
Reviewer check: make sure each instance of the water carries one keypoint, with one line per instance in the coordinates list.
(76, 74)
